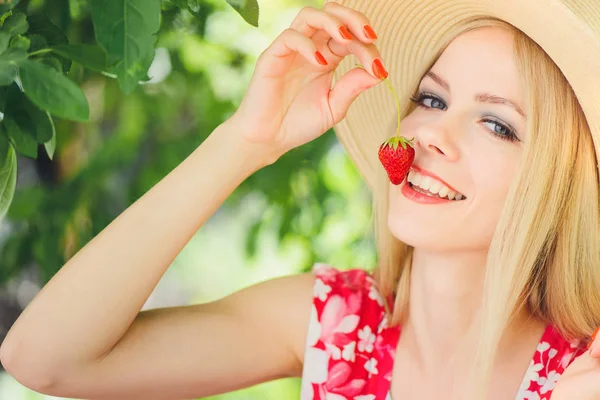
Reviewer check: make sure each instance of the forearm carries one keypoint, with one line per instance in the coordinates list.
(90, 303)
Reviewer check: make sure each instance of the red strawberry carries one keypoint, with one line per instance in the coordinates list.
(397, 159)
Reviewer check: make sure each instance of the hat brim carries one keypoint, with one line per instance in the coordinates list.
(412, 32)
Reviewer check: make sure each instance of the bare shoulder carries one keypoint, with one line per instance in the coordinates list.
(282, 303)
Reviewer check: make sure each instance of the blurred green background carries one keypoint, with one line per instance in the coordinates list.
(311, 206)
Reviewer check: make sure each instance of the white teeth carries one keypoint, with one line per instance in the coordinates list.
(426, 183)
(443, 191)
(417, 179)
(435, 187)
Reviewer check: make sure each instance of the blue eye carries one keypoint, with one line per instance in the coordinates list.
(500, 130)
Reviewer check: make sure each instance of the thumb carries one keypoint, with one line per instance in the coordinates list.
(347, 89)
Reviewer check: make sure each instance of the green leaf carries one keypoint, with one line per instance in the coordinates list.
(50, 145)
(126, 30)
(28, 116)
(8, 72)
(9, 61)
(24, 142)
(40, 24)
(78, 9)
(248, 9)
(20, 42)
(90, 56)
(38, 42)
(8, 174)
(15, 24)
(7, 5)
(52, 62)
(4, 40)
(168, 4)
(52, 91)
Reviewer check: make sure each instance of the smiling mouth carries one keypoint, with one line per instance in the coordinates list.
(458, 197)
(432, 187)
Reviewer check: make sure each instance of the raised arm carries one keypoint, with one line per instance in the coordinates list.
(84, 336)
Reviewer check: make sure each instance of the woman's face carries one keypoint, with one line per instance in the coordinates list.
(463, 136)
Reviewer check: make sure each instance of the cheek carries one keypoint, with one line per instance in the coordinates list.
(491, 182)
(468, 225)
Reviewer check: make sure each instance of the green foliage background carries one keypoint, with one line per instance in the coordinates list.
(81, 139)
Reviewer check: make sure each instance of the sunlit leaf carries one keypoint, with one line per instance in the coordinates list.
(248, 9)
(8, 174)
(50, 145)
(126, 30)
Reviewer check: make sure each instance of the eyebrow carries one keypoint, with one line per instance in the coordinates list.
(480, 97)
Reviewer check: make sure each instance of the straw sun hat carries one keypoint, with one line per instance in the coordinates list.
(411, 33)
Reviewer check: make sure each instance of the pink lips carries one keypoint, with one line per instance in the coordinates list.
(431, 174)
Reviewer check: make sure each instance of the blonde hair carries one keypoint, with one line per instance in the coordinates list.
(544, 254)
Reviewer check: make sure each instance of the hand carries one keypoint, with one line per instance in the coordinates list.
(289, 101)
(581, 379)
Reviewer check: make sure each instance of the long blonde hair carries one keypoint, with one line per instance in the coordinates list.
(545, 253)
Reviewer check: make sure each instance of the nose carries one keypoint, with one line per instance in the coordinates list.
(437, 140)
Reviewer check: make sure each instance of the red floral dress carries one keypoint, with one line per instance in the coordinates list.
(350, 348)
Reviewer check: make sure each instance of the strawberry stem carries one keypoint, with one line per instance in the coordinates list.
(389, 85)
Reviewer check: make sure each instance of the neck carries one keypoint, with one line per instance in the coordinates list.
(442, 325)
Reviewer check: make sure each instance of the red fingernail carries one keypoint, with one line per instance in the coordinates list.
(345, 33)
(593, 337)
(378, 69)
(369, 32)
(320, 59)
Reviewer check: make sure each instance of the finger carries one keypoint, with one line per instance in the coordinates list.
(367, 54)
(358, 23)
(347, 89)
(311, 20)
(277, 58)
(320, 24)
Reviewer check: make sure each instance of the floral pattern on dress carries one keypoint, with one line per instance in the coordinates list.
(350, 348)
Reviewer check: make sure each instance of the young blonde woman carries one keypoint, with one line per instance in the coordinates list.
(488, 277)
